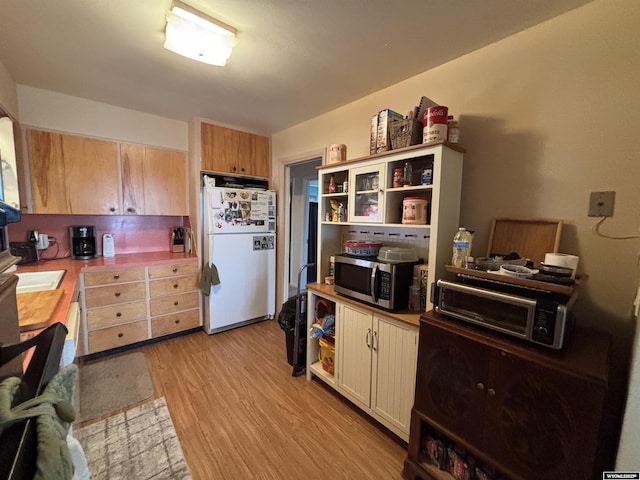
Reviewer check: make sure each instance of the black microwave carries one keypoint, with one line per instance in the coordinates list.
(536, 318)
(379, 283)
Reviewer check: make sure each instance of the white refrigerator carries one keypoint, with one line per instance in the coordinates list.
(239, 240)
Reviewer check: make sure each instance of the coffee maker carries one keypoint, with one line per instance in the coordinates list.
(83, 242)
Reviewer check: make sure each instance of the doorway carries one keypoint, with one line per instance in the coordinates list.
(303, 222)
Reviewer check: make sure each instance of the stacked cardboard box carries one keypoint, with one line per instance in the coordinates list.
(380, 130)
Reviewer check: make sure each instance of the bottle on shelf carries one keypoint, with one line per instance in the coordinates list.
(332, 185)
(414, 295)
(408, 173)
(461, 248)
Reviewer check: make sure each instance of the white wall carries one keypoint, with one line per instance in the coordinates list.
(547, 116)
(54, 111)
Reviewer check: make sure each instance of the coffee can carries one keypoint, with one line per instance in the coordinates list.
(337, 153)
(435, 124)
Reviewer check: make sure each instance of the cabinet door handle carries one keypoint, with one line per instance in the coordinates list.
(374, 343)
(491, 392)
(480, 386)
(368, 337)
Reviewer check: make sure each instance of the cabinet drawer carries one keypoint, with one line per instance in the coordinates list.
(174, 303)
(116, 315)
(169, 270)
(173, 285)
(115, 294)
(117, 336)
(113, 276)
(176, 322)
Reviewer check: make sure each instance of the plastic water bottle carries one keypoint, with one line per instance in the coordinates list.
(461, 247)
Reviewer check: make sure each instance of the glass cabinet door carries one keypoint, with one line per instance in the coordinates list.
(367, 190)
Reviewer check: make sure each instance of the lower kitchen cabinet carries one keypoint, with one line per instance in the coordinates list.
(175, 322)
(174, 298)
(129, 305)
(375, 363)
(524, 412)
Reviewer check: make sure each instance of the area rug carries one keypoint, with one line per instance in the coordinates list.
(140, 443)
(111, 384)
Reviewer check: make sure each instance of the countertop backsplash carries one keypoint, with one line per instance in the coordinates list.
(132, 233)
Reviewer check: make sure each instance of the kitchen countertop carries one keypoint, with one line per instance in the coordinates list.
(405, 315)
(75, 267)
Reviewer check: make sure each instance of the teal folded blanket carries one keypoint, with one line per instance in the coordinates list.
(209, 277)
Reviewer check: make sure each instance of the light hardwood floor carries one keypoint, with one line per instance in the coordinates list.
(239, 413)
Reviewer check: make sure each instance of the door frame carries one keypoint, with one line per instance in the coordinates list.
(285, 193)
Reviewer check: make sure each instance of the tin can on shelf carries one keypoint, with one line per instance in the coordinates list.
(426, 176)
(414, 210)
(435, 124)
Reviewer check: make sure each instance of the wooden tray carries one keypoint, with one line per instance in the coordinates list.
(35, 309)
(529, 238)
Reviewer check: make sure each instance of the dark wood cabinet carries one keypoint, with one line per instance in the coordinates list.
(528, 413)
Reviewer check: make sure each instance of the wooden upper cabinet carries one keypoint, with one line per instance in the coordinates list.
(71, 174)
(154, 181)
(232, 151)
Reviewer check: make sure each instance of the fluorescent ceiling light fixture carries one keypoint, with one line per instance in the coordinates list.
(194, 35)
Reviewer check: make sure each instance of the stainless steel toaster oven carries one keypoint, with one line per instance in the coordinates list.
(528, 314)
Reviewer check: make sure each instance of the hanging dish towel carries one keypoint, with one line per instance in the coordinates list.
(209, 277)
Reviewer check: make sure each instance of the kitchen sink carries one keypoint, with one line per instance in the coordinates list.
(39, 281)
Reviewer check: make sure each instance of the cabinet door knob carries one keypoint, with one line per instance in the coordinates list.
(120, 335)
(175, 269)
(491, 392)
(480, 386)
(175, 285)
(117, 294)
(112, 209)
(131, 210)
(116, 276)
(119, 314)
(176, 303)
(176, 321)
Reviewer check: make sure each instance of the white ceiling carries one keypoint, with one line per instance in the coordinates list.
(295, 59)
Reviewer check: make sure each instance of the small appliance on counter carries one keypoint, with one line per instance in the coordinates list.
(25, 250)
(108, 245)
(83, 241)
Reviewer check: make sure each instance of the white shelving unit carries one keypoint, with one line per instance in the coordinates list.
(372, 178)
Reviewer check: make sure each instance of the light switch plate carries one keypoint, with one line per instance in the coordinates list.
(601, 204)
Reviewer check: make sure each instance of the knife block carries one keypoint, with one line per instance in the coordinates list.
(177, 240)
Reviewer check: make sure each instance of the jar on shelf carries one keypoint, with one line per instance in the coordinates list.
(398, 177)
(453, 130)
